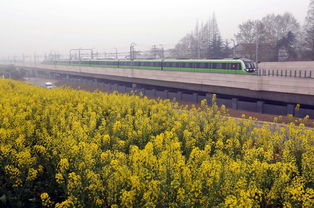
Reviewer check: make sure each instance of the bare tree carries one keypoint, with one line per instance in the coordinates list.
(270, 28)
(247, 33)
(278, 26)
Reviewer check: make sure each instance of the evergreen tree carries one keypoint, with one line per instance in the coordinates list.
(288, 42)
(216, 44)
(204, 41)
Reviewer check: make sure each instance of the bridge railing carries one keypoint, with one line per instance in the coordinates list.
(286, 73)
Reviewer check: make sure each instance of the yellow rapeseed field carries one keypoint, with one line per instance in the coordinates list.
(67, 148)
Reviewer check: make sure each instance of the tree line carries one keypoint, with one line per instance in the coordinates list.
(272, 33)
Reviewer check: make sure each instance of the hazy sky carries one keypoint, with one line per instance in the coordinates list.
(28, 26)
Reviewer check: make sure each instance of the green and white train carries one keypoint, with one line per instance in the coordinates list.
(232, 66)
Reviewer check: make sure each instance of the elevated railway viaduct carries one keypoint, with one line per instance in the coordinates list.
(263, 94)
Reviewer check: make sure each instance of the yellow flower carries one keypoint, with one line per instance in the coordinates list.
(45, 200)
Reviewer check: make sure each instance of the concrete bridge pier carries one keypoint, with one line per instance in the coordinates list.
(166, 94)
(291, 109)
(195, 97)
(260, 106)
(235, 103)
(179, 95)
(208, 98)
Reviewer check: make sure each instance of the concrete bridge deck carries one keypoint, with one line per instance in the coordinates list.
(248, 82)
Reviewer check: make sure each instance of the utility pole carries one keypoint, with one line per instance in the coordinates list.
(233, 50)
(132, 54)
(257, 44)
(154, 52)
(161, 51)
(116, 53)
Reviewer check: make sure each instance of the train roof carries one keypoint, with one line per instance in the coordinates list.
(234, 60)
(176, 60)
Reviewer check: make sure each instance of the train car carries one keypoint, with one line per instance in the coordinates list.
(233, 66)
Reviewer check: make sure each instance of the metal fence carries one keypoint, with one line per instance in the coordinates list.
(286, 73)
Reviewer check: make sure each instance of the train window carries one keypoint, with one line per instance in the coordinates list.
(214, 66)
(224, 66)
(203, 65)
(219, 65)
(238, 66)
(197, 65)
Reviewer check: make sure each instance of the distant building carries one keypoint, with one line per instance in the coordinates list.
(283, 54)
(266, 52)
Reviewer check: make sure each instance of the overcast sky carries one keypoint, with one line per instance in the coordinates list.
(28, 26)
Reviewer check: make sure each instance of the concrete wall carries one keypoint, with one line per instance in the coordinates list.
(255, 83)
